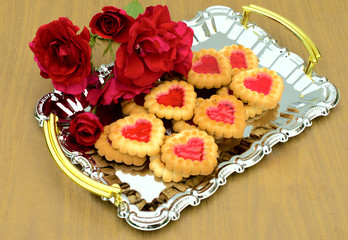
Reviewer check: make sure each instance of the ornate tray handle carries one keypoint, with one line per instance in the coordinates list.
(313, 51)
(100, 189)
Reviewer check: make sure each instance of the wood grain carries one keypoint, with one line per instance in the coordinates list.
(299, 191)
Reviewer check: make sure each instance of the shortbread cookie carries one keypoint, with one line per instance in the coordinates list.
(224, 91)
(210, 69)
(160, 170)
(221, 116)
(198, 101)
(138, 135)
(103, 144)
(258, 87)
(190, 152)
(241, 58)
(251, 111)
(179, 126)
(171, 100)
(131, 107)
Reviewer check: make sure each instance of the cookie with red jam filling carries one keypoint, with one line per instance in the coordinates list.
(221, 116)
(258, 87)
(171, 100)
(210, 69)
(190, 152)
(105, 149)
(138, 135)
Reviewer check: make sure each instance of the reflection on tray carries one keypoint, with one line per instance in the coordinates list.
(148, 192)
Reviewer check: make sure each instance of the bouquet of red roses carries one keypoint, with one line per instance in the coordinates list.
(151, 45)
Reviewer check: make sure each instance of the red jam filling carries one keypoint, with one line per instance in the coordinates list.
(237, 59)
(192, 150)
(223, 112)
(261, 84)
(140, 131)
(206, 64)
(174, 97)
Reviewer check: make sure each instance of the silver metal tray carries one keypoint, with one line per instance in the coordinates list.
(304, 99)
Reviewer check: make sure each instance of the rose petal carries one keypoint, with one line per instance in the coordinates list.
(134, 67)
(158, 63)
(147, 78)
(74, 89)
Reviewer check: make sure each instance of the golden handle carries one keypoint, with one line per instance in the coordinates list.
(313, 51)
(100, 189)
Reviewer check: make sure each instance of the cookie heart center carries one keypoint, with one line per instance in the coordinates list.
(192, 150)
(237, 60)
(174, 97)
(140, 131)
(206, 64)
(261, 84)
(223, 112)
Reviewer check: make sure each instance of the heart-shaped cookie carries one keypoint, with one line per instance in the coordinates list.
(103, 144)
(258, 87)
(251, 111)
(241, 58)
(221, 116)
(171, 100)
(138, 135)
(190, 152)
(210, 69)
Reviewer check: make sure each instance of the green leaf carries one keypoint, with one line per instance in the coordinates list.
(106, 50)
(94, 110)
(134, 9)
(109, 49)
(112, 51)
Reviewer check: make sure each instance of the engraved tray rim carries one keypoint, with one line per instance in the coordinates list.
(170, 210)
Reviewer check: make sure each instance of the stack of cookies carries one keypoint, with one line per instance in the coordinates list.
(240, 90)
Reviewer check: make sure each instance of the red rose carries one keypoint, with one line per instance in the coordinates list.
(156, 45)
(63, 55)
(112, 23)
(86, 128)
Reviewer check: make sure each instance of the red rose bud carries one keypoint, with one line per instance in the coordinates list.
(86, 128)
(112, 23)
(63, 55)
(156, 45)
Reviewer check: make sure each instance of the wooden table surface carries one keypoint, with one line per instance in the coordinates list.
(299, 191)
